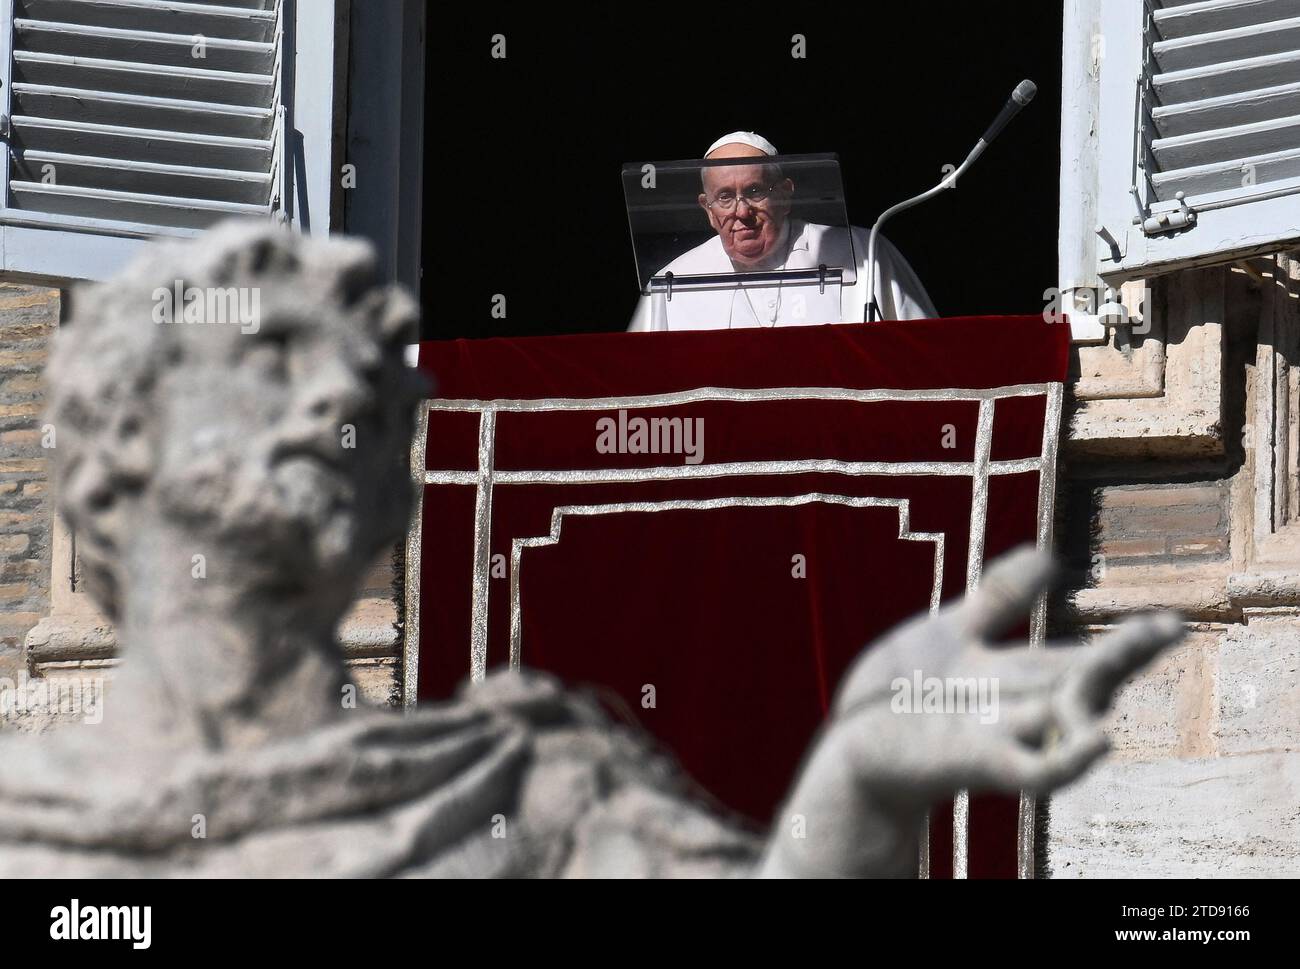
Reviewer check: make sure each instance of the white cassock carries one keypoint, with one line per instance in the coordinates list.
(899, 293)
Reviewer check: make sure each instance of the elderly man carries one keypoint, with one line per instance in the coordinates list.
(749, 208)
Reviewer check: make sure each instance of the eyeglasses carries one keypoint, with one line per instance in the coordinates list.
(754, 195)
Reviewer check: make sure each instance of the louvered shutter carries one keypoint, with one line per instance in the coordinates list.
(1199, 115)
(1226, 98)
(145, 111)
(126, 119)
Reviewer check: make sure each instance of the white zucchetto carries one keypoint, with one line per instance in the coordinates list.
(743, 138)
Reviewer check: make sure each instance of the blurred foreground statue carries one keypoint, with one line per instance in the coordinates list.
(230, 478)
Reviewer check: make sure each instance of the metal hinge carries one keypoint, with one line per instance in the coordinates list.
(1183, 217)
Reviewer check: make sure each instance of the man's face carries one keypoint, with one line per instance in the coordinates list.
(747, 205)
(286, 434)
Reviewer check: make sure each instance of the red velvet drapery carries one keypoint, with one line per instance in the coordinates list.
(719, 590)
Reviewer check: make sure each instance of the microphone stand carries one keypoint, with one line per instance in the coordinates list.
(872, 310)
(1021, 96)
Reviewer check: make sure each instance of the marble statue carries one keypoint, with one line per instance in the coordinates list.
(230, 476)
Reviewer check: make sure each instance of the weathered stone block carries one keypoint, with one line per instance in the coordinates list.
(1217, 817)
(14, 544)
(21, 384)
(1257, 690)
(23, 466)
(1167, 711)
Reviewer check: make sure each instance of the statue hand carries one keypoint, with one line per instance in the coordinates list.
(936, 707)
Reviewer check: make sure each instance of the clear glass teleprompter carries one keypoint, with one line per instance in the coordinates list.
(749, 241)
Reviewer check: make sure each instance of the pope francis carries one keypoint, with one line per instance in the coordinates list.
(748, 207)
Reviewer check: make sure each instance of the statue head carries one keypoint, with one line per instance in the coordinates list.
(245, 392)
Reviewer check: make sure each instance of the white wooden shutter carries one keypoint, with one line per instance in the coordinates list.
(1199, 140)
(129, 118)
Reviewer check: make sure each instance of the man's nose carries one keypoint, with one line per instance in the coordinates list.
(337, 392)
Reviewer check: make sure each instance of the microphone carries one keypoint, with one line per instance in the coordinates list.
(1021, 96)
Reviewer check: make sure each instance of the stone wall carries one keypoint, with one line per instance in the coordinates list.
(1178, 488)
(1123, 524)
(28, 316)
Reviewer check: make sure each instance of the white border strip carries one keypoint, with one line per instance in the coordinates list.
(979, 510)
(737, 394)
(952, 469)
(706, 504)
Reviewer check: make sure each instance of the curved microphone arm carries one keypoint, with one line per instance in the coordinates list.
(871, 310)
(1021, 96)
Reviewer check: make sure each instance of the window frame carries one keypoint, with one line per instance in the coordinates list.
(1233, 225)
(41, 247)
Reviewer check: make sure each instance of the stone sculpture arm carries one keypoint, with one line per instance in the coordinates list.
(858, 805)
